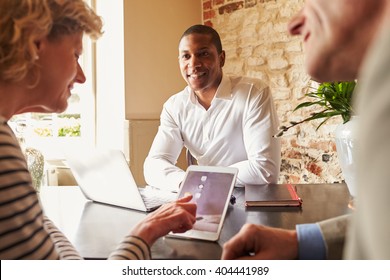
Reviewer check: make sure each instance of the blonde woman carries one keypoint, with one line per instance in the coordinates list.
(40, 43)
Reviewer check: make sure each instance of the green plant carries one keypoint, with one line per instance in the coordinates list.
(69, 125)
(72, 131)
(335, 98)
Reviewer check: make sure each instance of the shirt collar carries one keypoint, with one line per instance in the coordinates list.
(224, 90)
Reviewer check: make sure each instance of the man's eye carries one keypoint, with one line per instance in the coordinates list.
(185, 56)
(205, 54)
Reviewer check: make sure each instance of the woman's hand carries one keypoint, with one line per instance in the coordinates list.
(178, 217)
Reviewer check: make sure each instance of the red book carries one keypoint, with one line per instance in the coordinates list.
(272, 195)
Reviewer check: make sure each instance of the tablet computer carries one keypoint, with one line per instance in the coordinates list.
(211, 188)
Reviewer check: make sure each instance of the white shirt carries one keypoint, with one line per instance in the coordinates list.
(235, 131)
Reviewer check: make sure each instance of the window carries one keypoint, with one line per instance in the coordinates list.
(55, 134)
(95, 116)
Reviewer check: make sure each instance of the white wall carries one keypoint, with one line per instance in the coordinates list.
(110, 83)
(152, 33)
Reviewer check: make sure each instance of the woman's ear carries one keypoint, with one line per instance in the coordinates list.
(38, 47)
(40, 44)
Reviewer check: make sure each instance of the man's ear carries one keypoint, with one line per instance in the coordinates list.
(222, 58)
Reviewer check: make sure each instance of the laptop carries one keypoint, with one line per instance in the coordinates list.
(105, 177)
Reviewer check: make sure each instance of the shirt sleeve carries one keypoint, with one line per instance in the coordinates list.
(159, 166)
(25, 232)
(263, 150)
(132, 248)
(311, 245)
(64, 248)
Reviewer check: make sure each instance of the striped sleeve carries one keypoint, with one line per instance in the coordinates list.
(63, 246)
(24, 233)
(132, 248)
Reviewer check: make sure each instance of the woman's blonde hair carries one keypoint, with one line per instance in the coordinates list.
(22, 22)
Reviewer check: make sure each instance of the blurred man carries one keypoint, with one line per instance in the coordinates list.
(343, 40)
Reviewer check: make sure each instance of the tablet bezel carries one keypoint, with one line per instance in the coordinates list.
(207, 235)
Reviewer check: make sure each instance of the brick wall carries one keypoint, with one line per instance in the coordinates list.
(256, 42)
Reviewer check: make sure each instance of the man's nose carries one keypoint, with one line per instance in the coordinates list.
(194, 62)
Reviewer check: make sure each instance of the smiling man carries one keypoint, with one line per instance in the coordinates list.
(221, 120)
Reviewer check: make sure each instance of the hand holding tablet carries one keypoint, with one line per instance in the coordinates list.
(211, 188)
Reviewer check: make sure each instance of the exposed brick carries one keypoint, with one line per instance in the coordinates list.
(325, 146)
(207, 5)
(258, 45)
(281, 93)
(326, 157)
(294, 143)
(289, 165)
(250, 3)
(265, 1)
(209, 23)
(292, 154)
(230, 8)
(277, 63)
(314, 168)
(208, 15)
(293, 179)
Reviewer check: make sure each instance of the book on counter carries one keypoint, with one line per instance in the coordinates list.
(272, 195)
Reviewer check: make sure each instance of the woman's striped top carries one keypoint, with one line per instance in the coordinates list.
(25, 233)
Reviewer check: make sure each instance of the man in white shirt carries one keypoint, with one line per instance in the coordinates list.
(221, 120)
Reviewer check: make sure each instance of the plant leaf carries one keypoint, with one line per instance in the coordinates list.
(334, 97)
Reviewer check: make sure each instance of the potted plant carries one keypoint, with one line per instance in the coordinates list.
(334, 99)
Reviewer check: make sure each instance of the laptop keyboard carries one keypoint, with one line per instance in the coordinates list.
(154, 198)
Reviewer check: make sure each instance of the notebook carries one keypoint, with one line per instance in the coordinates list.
(105, 177)
(272, 195)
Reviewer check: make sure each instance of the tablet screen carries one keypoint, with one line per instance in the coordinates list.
(211, 189)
